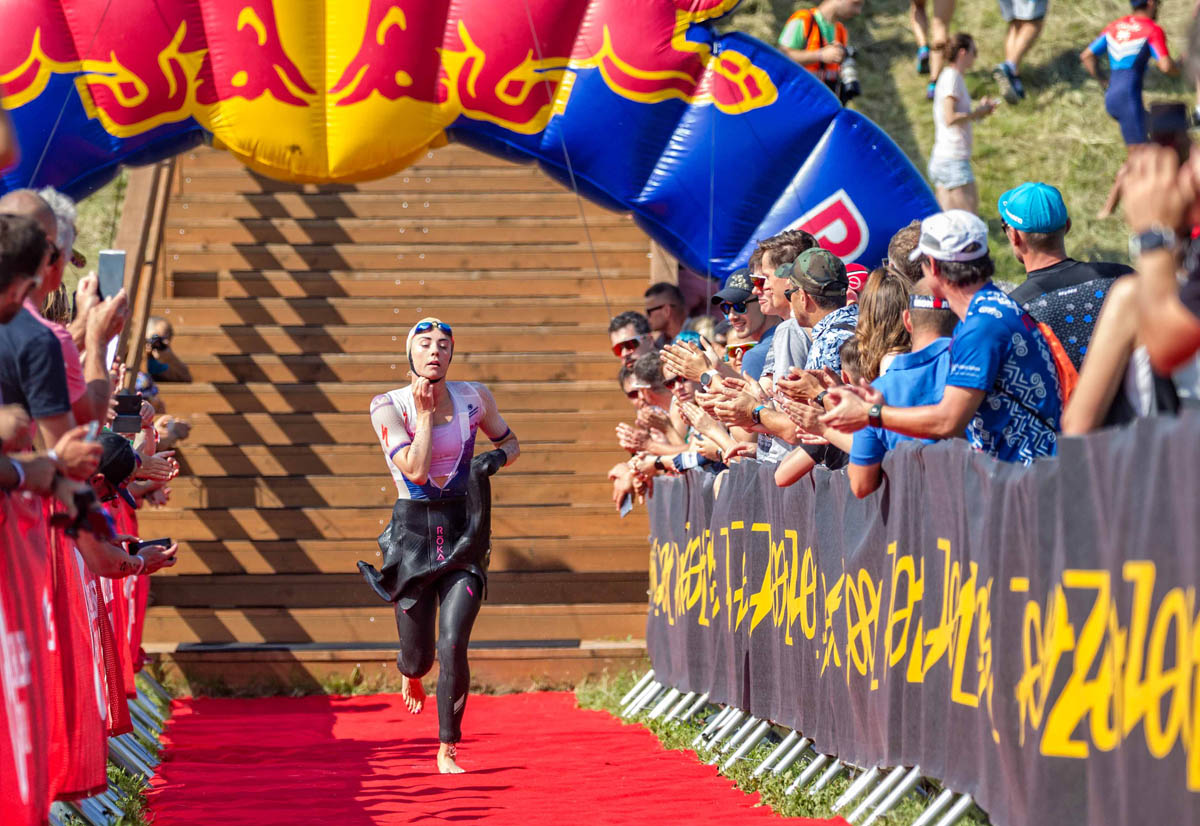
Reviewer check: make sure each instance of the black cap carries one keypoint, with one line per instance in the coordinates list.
(737, 288)
(117, 463)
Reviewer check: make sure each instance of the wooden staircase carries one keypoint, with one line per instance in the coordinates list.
(291, 304)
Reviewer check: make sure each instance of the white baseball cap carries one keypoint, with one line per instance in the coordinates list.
(953, 235)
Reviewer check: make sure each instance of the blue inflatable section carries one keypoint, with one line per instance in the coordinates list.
(705, 183)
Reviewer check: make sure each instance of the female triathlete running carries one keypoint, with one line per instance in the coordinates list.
(435, 549)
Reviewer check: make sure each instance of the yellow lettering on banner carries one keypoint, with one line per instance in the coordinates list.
(893, 648)
(808, 595)
(1142, 576)
(1045, 637)
(795, 598)
(1174, 680)
(833, 601)
(862, 624)
(693, 580)
(763, 600)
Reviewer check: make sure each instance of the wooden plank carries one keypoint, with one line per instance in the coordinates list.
(401, 257)
(203, 455)
(295, 591)
(391, 231)
(607, 552)
(376, 624)
(561, 522)
(492, 183)
(340, 367)
(450, 156)
(256, 397)
(349, 491)
(461, 311)
(344, 338)
(561, 205)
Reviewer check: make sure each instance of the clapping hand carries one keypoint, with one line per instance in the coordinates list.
(851, 406)
(632, 438)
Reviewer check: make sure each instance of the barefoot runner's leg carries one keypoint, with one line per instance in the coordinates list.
(415, 630)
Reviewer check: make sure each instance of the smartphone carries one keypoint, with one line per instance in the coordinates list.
(93, 431)
(129, 413)
(111, 272)
(135, 547)
(626, 505)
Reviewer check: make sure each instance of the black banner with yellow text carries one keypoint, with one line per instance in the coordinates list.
(1028, 635)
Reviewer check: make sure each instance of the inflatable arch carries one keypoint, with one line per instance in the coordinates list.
(711, 140)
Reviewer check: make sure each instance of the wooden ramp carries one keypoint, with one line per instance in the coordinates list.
(291, 305)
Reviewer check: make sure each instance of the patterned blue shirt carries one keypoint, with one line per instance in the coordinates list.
(828, 336)
(998, 348)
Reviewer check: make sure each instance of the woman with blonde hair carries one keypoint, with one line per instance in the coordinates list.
(881, 334)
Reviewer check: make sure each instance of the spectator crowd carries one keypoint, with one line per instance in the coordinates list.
(79, 455)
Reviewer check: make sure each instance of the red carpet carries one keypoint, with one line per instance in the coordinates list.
(531, 759)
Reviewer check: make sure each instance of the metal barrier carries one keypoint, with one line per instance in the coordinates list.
(128, 752)
(736, 733)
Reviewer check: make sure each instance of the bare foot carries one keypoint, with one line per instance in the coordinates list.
(446, 756)
(413, 693)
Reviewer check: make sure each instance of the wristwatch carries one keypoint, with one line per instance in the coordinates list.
(1157, 237)
(820, 399)
(875, 416)
(706, 378)
(756, 415)
(658, 464)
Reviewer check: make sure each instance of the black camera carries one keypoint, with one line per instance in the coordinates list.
(848, 86)
(157, 343)
(129, 413)
(89, 516)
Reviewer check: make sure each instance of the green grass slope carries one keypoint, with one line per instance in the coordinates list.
(1060, 134)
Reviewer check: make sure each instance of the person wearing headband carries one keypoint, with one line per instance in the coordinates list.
(436, 547)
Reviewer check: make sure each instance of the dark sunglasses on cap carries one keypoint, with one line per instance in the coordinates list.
(628, 345)
(728, 307)
(426, 326)
(927, 302)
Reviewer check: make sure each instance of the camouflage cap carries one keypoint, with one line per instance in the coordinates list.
(818, 272)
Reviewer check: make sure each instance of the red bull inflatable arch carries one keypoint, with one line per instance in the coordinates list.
(711, 140)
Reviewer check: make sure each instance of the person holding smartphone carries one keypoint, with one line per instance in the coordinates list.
(435, 549)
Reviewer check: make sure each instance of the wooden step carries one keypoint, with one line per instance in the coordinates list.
(410, 230)
(272, 460)
(623, 548)
(356, 367)
(511, 397)
(348, 491)
(560, 205)
(377, 624)
(458, 311)
(318, 430)
(494, 183)
(282, 669)
(452, 155)
(294, 591)
(560, 521)
(343, 338)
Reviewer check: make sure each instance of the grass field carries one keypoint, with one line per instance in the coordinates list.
(1060, 134)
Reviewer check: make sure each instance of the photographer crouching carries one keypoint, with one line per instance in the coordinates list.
(816, 39)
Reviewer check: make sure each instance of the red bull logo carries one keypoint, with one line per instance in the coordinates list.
(359, 92)
(837, 225)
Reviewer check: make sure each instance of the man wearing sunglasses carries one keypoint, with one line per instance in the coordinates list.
(435, 549)
(666, 312)
(630, 335)
(740, 307)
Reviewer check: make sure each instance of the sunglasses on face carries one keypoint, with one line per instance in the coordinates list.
(654, 309)
(671, 382)
(631, 394)
(426, 326)
(789, 292)
(728, 307)
(732, 350)
(629, 345)
(758, 281)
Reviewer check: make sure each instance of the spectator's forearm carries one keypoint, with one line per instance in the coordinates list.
(1169, 330)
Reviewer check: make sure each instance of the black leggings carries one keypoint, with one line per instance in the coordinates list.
(460, 594)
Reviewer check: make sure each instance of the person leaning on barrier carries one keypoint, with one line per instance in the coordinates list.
(1002, 388)
(913, 379)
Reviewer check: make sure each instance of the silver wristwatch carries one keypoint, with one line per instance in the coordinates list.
(1156, 238)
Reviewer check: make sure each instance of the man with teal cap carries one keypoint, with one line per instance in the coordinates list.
(1060, 292)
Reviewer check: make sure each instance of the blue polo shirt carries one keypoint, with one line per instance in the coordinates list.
(913, 380)
(998, 348)
(755, 358)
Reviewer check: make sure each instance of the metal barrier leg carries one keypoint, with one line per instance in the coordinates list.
(749, 743)
(149, 707)
(957, 810)
(809, 772)
(717, 720)
(791, 757)
(824, 780)
(895, 795)
(701, 701)
(725, 730)
(935, 808)
(647, 696)
(876, 794)
(155, 686)
(677, 709)
(661, 708)
(857, 787)
(637, 689)
(750, 722)
(780, 750)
